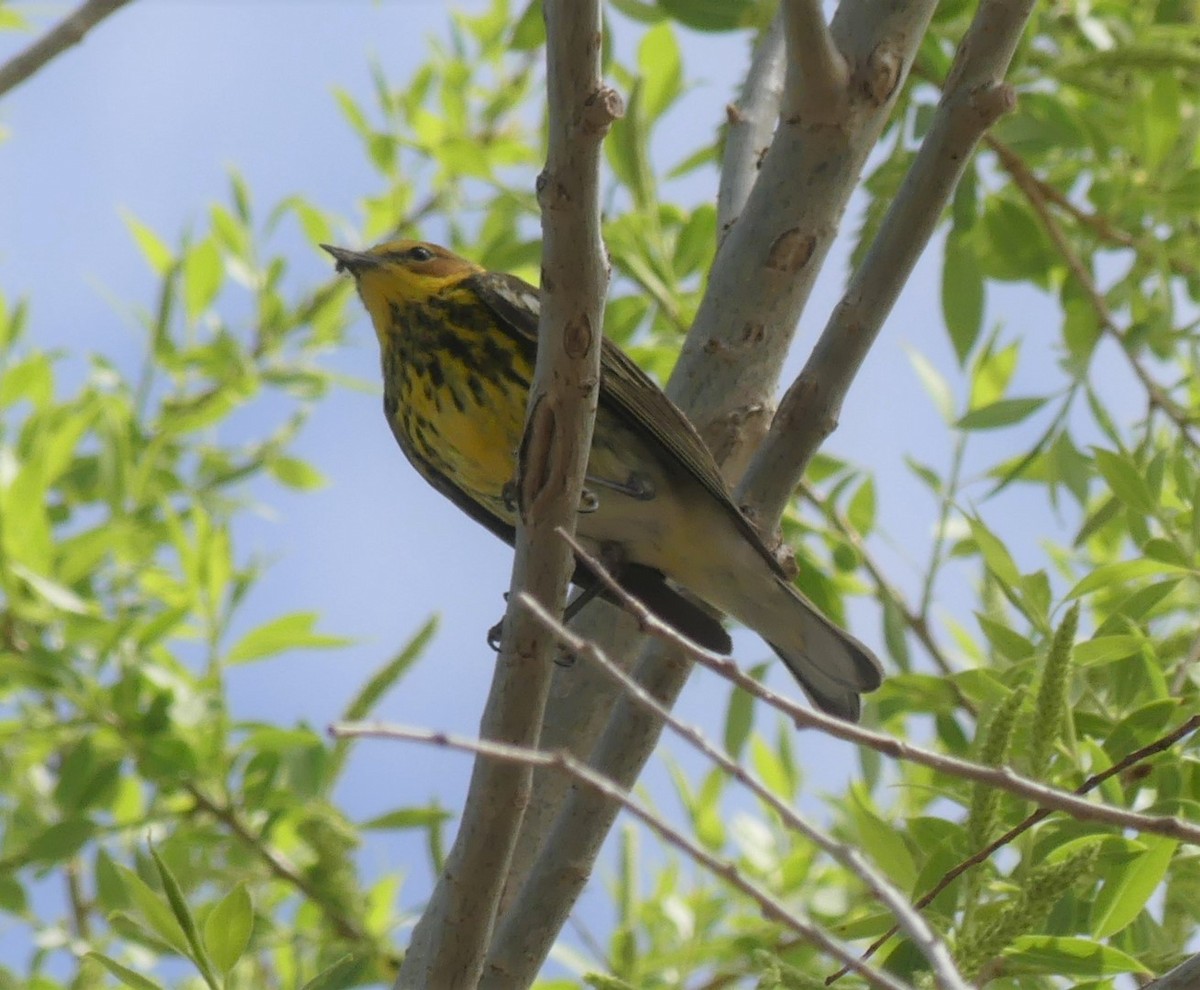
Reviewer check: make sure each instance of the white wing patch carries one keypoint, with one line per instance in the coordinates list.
(522, 297)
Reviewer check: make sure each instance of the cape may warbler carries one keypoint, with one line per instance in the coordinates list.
(458, 346)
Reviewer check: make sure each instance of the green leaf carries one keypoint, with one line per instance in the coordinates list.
(183, 917)
(314, 223)
(51, 592)
(661, 69)
(11, 20)
(202, 274)
(60, 841)
(625, 150)
(158, 256)
(294, 631)
(228, 927)
(336, 977)
(934, 383)
(770, 768)
(389, 673)
(529, 31)
(123, 973)
(1125, 480)
(1112, 576)
(1105, 649)
(1002, 412)
(1196, 515)
(1008, 642)
(696, 241)
(739, 718)
(31, 378)
(861, 510)
(295, 473)
(194, 413)
(639, 10)
(83, 776)
(962, 295)
(713, 15)
(1017, 247)
(406, 818)
(153, 910)
(1126, 891)
(995, 554)
(881, 841)
(991, 373)
(1161, 120)
(1059, 956)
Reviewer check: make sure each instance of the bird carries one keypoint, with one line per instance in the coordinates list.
(458, 344)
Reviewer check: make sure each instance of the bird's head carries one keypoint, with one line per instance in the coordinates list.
(400, 272)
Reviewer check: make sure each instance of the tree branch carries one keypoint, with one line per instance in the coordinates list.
(772, 908)
(768, 261)
(451, 938)
(974, 98)
(751, 122)
(817, 86)
(278, 864)
(945, 973)
(1157, 395)
(802, 717)
(71, 30)
(1185, 976)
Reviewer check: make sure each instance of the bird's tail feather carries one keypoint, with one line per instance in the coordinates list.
(832, 666)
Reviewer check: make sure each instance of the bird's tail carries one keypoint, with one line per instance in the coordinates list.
(832, 666)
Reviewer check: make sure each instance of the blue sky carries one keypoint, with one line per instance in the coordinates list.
(147, 116)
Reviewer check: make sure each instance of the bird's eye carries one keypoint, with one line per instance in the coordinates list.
(420, 253)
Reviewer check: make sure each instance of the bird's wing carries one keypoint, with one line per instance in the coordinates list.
(629, 392)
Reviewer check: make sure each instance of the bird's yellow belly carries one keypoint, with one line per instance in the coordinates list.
(480, 448)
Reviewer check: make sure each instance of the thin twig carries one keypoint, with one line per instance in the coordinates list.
(1155, 393)
(71, 30)
(278, 864)
(809, 718)
(935, 950)
(78, 899)
(1097, 223)
(917, 621)
(586, 776)
(451, 939)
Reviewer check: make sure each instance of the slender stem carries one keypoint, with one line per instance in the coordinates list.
(71, 30)
(278, 864)
(917, 622)
(937, 553)
(1157, 395)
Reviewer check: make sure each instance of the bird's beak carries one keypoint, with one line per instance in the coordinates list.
(354, 262)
